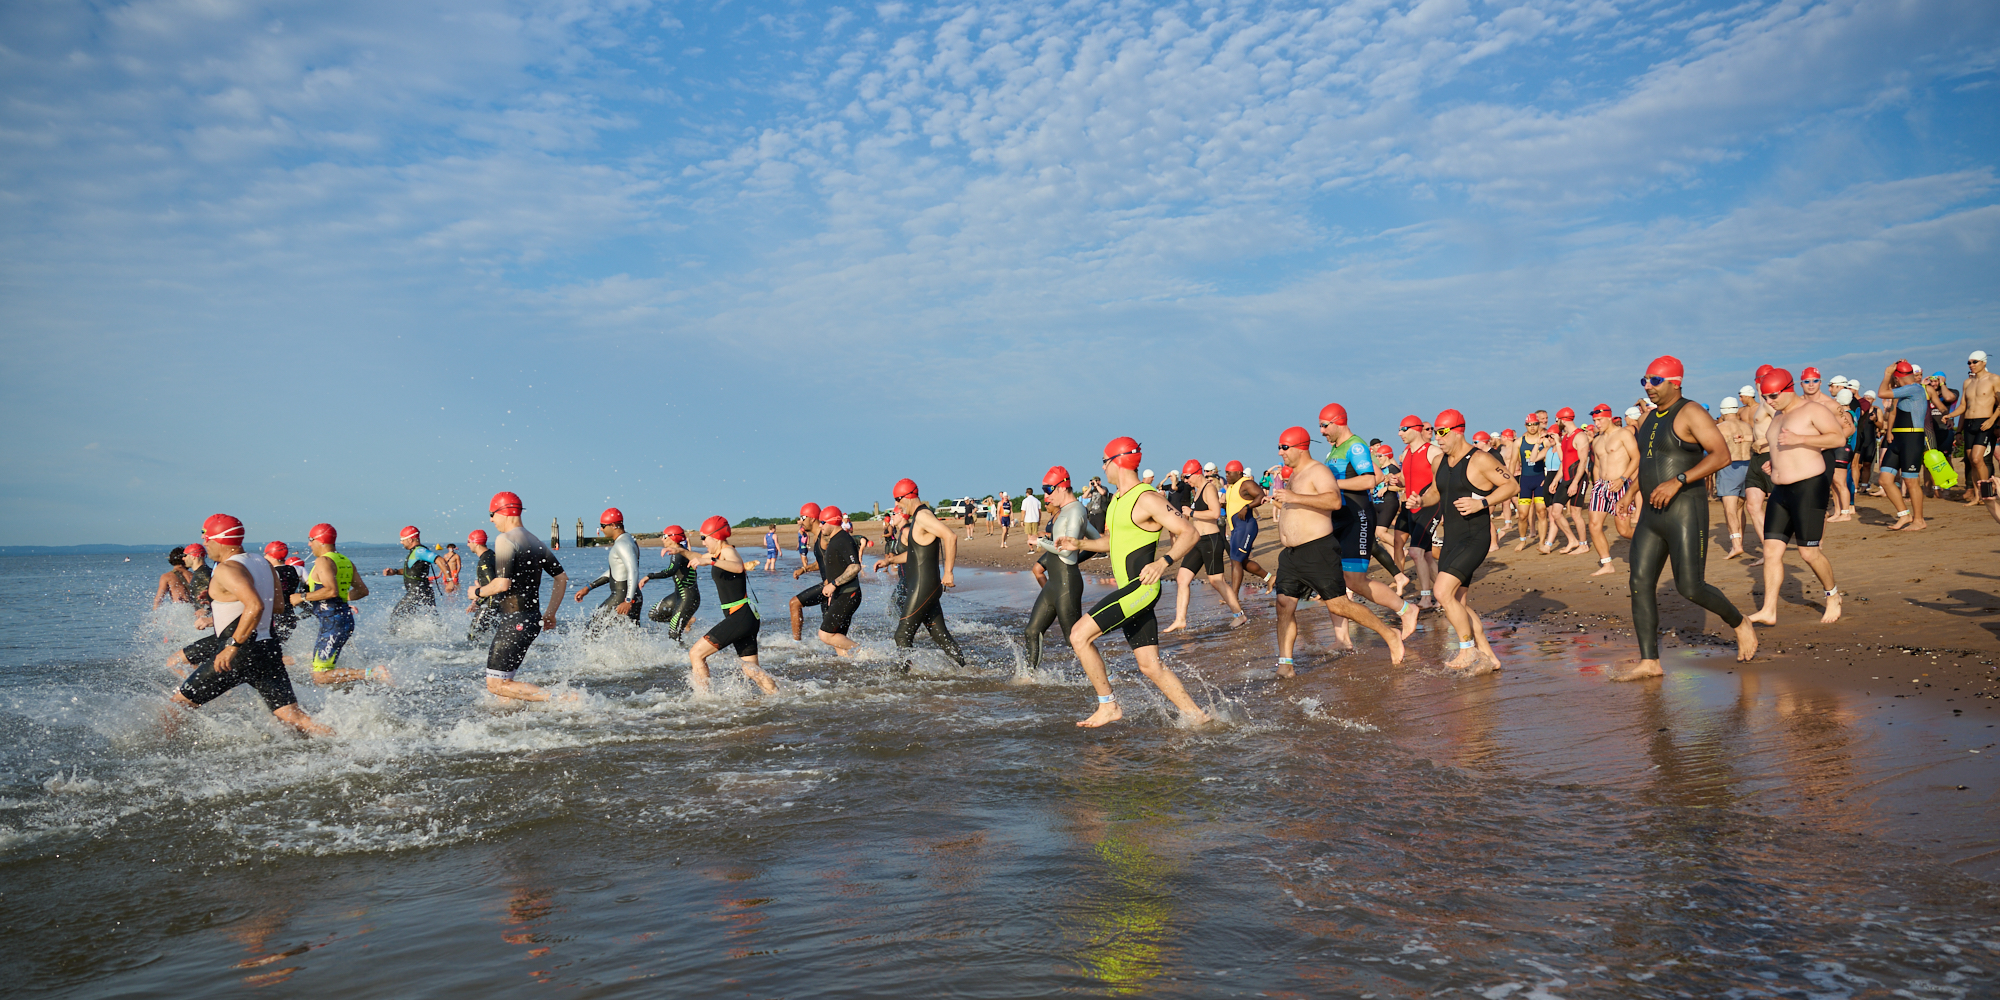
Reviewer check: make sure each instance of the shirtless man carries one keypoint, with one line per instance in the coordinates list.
(809, 542)
(1310, 562)
(1800, 430)
(1136, 518)
(173, 583)
(1509, 454)
(1614, 455)
(449, 566)
(1730, 479)
(1906, 395)
(1419, 465)
(1976, 417)
(244, 594)
(1757, 484)
(1574, 440)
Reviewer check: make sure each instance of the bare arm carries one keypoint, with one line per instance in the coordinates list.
(230, 583)
(1184, 534)
(1823, 440)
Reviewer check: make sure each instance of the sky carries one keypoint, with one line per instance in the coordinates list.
(369, 262)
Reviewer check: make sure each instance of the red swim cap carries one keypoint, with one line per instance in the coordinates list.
(677, 533)
(1531, 419)
(323, 532)
(1481, 436)
(611, 515)
(1565, 414)
(829, 514)
(1904, 367)
(809, 512)
(716, 526)
(1412, 421)
(1333, 413)
(1123, 452)
(1811, 374)
(277, 550)
(410, 531)
(1506, 432)
(1284, 472)
(905, 488)
(504, 503)
(1763, 370)
(222, 529)
(1295, 437)
(1668, 367)
(195, 551)
(1056, 476)
(1233, 466)
(1775, 380)
(295, 561)
(1191, 467)
(1601, 410)
(1450, 420)
(477, 538)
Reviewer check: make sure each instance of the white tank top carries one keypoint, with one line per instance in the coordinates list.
(266, 582)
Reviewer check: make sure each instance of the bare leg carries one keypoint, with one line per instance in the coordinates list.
(1916, 492)
(1753, 524)
(517, 690)
(1823, 568)
(1183, 577)
(1288, 633)
(798, 619)
(1732, 512)
(842, 645)
(1228, 596)
(1426, 575)
(1774, 578)
(1083, 642)
(1169, 684)
(1381, 593)
(1342, 607)
(1462, 622)
(295, 717)
(697, 666)
(1600, 543)
(756, 675)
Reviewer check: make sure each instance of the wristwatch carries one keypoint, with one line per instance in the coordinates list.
(1682, 479)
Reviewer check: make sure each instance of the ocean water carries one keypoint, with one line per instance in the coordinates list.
(1362, 830)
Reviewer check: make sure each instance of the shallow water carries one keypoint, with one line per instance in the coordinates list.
(1359, 830)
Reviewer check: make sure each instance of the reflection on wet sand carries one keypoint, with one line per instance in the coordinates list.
(1120, 908)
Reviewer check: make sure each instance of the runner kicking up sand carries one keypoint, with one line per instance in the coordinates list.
(1133, 524)
(1309, 563)
(1679, 446)
(1469, 482)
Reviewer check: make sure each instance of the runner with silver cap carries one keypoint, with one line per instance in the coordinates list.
(740, 623)
(519, 561)
(622, 573)
(242, 650)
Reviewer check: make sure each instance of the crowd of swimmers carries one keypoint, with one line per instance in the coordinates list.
(1782, 457)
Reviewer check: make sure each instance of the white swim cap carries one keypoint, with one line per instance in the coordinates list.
(1844, 397)
(1210, 467)
(1148, 474)
(1870, 394)
(1977, 356)
(1748, 390)
(1731, 403)
(1634, 413)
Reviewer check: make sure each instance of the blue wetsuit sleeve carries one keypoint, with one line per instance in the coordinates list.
(1359, 461)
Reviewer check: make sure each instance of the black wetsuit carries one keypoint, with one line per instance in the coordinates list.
(284, 617)
(835, 557)
(1466, 537)
(417, 593)
(1061, 599)
(925, 608)
(521, 558)
(1679, 532)
(896, 545)
(812, 597)
(483, 573)
(677, 609)
(1206, 557)
(739, 625)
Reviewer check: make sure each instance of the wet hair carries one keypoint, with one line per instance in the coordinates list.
(174, 557)
(452, 545)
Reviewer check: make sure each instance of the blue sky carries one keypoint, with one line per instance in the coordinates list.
(370, 262)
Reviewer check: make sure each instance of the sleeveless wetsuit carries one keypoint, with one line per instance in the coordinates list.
(739, 625)
(259, 663)
(1206, 556)
(1132, 547)
(1061, 599)
(483, 572)
(835, 557)
(1679, 532)
(677, 609)
(926, 605)
(896, 545)
(811, 597)
(336, 616)
(1466, 539)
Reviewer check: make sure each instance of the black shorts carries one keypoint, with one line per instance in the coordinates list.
(261, 664)
(1757, 478)
(1131, 608)
(1461, 556)
(1972, 434)
(811, 597)
(1311, 570)
(512, 635)
(1797, 511)
(1422, 527)
(839, 613)
(739, 629)
(1354, 526)
(1905, 454)
(1206, 556)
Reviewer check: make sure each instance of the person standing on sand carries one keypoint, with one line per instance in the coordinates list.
(1614, 454)
(1908, 396)
(1730, 479)
(1977, 414)
(1031, 515)
(1138, 514)
(1006, 517)
(1800, 432)
(1679, 446)
(1469, 481)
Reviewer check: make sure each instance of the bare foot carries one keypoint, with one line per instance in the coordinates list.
(1759, 561)
(1106, 714)
(1465, 658)
(1409, 617)
(1521, 545)
(1917, 525)
(1239, 620)
(1399, 583)
(1764, 616)
(761, 679)
(1196, 716)
(1604, 569)
(290, 662)
(1179, 623)
(1395, 649)
(1343, 637)
(380, 675)
(1480, 665)
(1285, 669)
(1746, 641)
(1832, 610)
(1732, 553)
(1901, 523)
(1641, 670)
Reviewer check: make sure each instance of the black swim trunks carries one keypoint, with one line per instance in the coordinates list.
(1311, 570)
(1797, 511)
(260, 664)
(512, 635)
(811, 597)
(839, 614)
(739, 629)
(1206, 556)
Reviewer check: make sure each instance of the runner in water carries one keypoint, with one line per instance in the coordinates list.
(1309, 565)
(1204, 508)
(1679, 446)
(418, 561)
(1353, 466)
(739, 625)
(449, 566)
(1469, 482)
(1061, 599)
(173, 583)
(1239, 504)
(896, 543)
(1614, 456)
(676, 609)
(1800, 432)
(331, 586)
(519, 560)
(929, 551)
(284, 620)
(484, 569)
(244, 592)
(1134, 521)
(812, 596)
(840, 580)
(195, 559)
(622, 573)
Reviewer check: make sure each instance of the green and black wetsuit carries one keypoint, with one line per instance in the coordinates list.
(1679, 532)
(1132, 548)
(677, 609)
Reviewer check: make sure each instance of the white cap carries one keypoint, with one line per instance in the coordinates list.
(1748, 390)
(1840, 380)
(1731, 403)
(1148, 474)
(1870, 394)
(1209, 467)
(1634, 413)
(1916, 370)
(1977, 356)
(1844, 396)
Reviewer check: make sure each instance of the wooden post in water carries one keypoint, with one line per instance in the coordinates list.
(555, 534)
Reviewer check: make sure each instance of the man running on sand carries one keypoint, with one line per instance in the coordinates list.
(1311, 561)
(1469, 482)
(1137, 516)
(739, 625)
(1678, 447)
(244, 594)
(1205, 508)
(1614, 455)
(1799, 433)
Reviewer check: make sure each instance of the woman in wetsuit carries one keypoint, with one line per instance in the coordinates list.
(1679, 446)
(1468, 483)
(926, 574)
(676, 609)
(1205, 511)
(739, 625)
(1061, 598)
